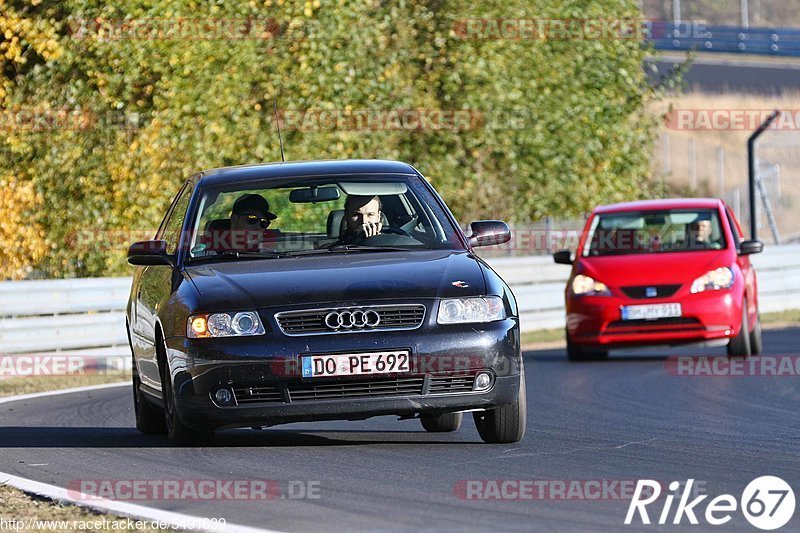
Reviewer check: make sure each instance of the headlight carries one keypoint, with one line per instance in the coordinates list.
(714, 280)
(585, 285)
(244, 324)
(463, 310)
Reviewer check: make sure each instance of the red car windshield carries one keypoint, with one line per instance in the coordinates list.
(649, 232)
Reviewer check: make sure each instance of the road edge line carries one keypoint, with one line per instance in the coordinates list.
(126, 509)
(141, 512)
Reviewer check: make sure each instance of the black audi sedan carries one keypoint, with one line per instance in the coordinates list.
(323, 290)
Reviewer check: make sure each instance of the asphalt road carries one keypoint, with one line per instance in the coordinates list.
(730, 76)
(624, 419)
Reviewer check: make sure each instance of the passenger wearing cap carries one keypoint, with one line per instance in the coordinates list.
(250, 218)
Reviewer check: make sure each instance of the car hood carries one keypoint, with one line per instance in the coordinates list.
(343, 279)
(650, 269)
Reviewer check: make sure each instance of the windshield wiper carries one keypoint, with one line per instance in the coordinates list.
(364, 248)
(234, 254)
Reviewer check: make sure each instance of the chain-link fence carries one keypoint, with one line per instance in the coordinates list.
(696, 165)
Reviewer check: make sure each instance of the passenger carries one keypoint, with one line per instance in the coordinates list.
(250, 218)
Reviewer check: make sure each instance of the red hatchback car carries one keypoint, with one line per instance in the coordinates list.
(661, 272)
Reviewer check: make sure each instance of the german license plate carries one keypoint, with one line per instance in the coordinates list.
(650, 311)
(318, 366)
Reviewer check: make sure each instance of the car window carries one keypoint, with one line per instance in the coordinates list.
(307, 214)
(654, 232)
(735, 229)
(171, 230)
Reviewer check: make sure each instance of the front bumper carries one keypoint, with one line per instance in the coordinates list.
(597, 321)
(264, 374)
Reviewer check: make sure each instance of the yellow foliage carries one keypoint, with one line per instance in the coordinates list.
(22, 243)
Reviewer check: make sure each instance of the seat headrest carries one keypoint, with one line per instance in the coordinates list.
(335, 220)
(220, 224)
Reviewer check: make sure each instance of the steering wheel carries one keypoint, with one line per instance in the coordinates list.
(396, 231)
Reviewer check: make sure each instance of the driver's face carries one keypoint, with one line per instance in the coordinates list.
(702, 229)
(369, 213)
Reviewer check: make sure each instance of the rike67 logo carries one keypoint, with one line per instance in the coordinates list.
(767, 503)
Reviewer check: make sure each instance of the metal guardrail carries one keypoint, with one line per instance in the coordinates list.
(685, 36)
(86, 316)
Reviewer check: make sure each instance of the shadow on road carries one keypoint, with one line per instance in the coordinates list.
(559, 356)
(99, 437)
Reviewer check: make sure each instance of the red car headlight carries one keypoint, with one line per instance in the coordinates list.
(584, 285)
(713, 280)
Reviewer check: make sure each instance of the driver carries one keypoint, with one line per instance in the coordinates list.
(699, 234)
(362, 215)
(250, 218)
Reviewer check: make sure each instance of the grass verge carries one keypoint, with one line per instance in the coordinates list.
(27, 385)
(25, 512)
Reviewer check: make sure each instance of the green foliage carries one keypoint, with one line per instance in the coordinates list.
(563, 123)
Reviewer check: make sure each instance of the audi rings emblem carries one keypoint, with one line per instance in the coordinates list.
(352, 319)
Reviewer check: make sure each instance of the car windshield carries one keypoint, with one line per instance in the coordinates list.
(304, 216)
(654, 232)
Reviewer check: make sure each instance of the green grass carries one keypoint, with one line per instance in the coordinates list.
(781, 318)
(26, 509)
(543, 336)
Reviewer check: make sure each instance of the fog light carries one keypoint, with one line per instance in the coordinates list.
(223, 397)
(482, 381)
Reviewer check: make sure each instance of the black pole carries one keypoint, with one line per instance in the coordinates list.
(751, 158)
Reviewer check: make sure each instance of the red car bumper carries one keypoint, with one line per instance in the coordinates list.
(597, 320)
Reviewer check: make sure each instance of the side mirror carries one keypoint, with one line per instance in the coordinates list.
(563, 257)
(751, 247)
(489, 232)
(144, 253)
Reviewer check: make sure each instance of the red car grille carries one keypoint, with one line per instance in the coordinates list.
(640, 291)
(661, 325)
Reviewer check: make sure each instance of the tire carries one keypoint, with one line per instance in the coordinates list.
(756, 343)
(149, 418)
(739, 346)
(441, 423)
(505, 424)
(576, 352)
(179, 434)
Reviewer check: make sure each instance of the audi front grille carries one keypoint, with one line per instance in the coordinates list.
(351, 319)
(379, 387)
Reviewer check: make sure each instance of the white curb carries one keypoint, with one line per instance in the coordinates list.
(141, 512)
